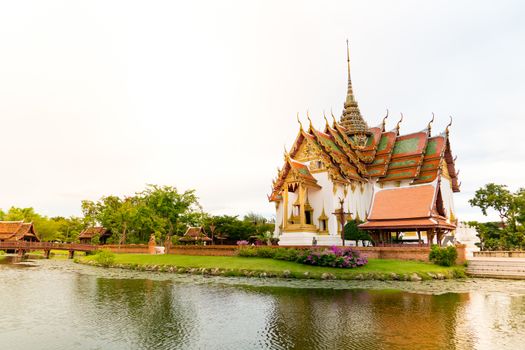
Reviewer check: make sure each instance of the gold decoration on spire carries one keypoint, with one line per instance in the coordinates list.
(351, 119)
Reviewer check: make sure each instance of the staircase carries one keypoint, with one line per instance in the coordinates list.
(513, 268)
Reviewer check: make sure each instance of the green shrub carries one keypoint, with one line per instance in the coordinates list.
(443, 256)
(2, 252)
(286, 254)
(263, 252)
(247, 252)
(105, 257)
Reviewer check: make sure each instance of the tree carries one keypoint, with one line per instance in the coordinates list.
(169, 206)
(161, 210)
(353, 233)
(230, 227)
(496, 197)
(509, 233)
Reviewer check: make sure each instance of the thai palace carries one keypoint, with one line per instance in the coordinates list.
(397, 186)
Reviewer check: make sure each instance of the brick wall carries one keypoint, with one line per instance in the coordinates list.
(127, 248)
(215, 250)
(399, 253)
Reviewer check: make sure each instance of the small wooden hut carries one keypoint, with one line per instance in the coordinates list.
(87, 235)
(195, 235)
(17, 231)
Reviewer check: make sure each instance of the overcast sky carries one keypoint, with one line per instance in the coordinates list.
(103, 97)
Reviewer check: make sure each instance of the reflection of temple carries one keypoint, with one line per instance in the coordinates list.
(365, 319)
(396, 183)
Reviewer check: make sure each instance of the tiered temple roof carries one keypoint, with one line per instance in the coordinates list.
(388, 156)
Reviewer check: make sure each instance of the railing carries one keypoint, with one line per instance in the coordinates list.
(499, 254)
(23, 245)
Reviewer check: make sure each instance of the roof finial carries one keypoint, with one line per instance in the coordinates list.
(325, 119)
(383, 123)
(399, 123)
(429, 127)
(299, 121)
(449, 124)
(333, 117)
(308, 117)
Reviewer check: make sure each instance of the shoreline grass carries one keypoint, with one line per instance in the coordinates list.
(376, 269)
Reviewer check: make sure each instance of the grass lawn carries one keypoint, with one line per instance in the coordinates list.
(234, 265)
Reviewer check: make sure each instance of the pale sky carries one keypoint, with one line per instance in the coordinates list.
(104, 97)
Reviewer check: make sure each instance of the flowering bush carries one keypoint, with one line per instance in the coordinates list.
(243, 242)
(333, 257)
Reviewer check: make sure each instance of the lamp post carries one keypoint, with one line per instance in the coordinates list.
(341, 215)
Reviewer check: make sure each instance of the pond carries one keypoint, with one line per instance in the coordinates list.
(49, 304)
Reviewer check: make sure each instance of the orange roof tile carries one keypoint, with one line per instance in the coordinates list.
(403, 203)
(16, 230)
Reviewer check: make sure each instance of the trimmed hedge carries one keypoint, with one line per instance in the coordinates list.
(443, 256)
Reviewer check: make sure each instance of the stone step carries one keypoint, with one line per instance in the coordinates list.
(497, 268)
(497, 264)
(498, 275)
(492, 272)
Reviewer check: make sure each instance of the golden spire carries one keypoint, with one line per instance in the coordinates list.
(351, 119)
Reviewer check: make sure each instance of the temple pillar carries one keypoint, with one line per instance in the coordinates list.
(430, 237)
(285, 207)
(418, 237)
(439, 237)
(71, 254)
(302, 217)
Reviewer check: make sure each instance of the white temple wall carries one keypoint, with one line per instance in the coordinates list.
(325, 199)
(448, 196)
(358, 201)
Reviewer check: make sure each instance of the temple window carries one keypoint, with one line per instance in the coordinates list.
(323, 222)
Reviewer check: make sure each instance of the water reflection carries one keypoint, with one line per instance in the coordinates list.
(57, 307)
